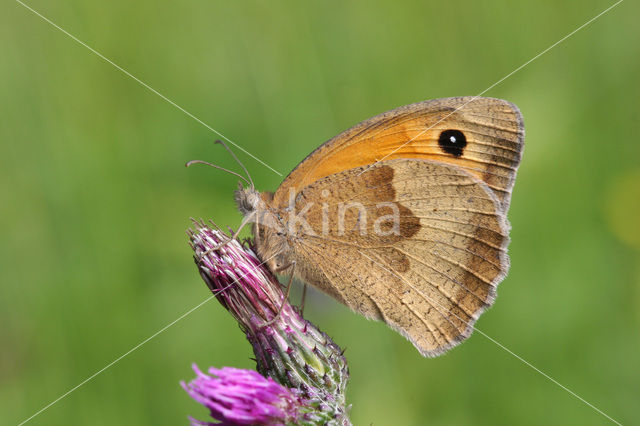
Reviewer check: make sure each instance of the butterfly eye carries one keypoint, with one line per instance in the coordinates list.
(452, 142)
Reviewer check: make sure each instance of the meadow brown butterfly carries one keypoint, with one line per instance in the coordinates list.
(403, 217)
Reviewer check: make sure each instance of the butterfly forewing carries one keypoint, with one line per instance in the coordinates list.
(488, 142)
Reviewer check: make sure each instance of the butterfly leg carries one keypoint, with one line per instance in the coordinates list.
(304, 297)
(291, 265)
(244, 222)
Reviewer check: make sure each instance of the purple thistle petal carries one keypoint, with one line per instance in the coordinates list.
(244, 397)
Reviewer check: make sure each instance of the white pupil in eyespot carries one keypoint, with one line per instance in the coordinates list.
(452, 139)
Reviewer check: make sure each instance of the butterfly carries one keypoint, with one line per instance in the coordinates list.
(402, 217)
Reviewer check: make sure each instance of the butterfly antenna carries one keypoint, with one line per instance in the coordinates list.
(237, 160)
(219, 168)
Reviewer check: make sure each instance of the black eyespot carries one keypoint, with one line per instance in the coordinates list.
(452, 142)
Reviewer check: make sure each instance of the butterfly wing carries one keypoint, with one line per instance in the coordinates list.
(488, 138)
(416, 243)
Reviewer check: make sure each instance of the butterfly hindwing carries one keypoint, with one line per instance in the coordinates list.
(419, 244)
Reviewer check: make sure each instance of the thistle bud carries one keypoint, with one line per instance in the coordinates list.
(288, 349)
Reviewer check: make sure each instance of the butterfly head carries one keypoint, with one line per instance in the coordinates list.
(248, 199)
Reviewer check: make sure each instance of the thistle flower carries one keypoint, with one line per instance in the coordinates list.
(244, 397)
(288, 349)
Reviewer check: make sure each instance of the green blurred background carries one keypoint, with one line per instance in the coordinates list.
(95, 198)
